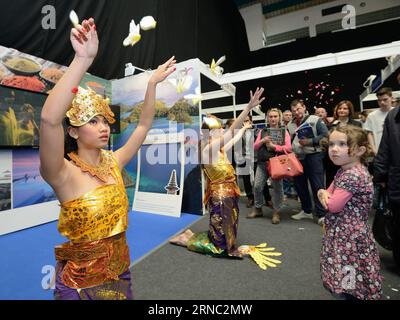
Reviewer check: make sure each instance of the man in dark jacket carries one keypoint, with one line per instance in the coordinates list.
(387, 171)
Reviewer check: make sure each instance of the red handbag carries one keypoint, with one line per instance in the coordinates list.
(284, 166)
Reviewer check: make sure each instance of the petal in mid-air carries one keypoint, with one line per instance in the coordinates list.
(148, 23)
(183, 81)
(134, 35)
(74, 18)
(215, 66)
(196, 98)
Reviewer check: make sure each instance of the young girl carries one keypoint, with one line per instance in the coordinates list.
(222, 191)
(94, 263)
(350, 265)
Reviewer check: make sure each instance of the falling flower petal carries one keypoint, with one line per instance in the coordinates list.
(147, 23)
(134, 35)
(183, 81)
(215, 68)
(196, 98)
(74, 18)
(220, 60)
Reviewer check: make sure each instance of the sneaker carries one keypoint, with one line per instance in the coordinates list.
(302, 215)
(321, 221)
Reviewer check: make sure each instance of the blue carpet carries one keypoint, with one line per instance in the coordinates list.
(26, 253)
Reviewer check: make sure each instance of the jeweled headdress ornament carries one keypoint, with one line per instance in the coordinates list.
(86, 105)
(212, 121)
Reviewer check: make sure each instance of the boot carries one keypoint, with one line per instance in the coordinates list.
(250, 202)
(276, 217)
(269, 204)
(257, 212)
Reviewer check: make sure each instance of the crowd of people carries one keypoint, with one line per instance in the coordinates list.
(344, 159)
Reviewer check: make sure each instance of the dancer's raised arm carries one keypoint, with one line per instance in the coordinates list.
(131, 147)
(85, 42)
(238, 135)
(216, 144)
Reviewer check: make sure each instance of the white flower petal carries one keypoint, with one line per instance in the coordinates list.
(147, 23)
(74, 18)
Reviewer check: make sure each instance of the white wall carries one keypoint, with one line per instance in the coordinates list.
(254, 21)
(296, 20)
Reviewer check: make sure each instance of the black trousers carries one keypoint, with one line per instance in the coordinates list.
(248, 188)
(396, 232)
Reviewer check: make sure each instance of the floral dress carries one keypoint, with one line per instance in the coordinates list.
(349, 258)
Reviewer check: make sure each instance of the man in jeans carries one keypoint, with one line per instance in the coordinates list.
(307, 149)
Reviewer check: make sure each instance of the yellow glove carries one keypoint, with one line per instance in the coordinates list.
(261, 255)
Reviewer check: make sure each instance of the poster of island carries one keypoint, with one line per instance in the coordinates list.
(177, 110)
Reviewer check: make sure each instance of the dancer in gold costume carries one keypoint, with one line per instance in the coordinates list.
(94, 264)
(222, 195)
(222, 191)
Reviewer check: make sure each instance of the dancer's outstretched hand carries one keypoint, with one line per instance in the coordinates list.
(163, 71)
(84, 39)
(256, 99)
(247, 125)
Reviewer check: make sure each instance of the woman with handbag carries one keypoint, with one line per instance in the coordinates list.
(271, 140)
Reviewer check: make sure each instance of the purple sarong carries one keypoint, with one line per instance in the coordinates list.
(220, 239)
(110, 290)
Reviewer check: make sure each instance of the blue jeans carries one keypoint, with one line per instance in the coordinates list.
(287, 186)
(313, 172)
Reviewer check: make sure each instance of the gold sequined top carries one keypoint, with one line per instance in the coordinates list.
(95, 223)
(221, 178)
(98, 214)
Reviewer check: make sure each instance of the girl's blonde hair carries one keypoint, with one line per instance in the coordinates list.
(356, 137)
(275, 110)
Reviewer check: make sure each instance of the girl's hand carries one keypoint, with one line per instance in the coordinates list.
(323, 197)
(163, 71)
(267, 140)
(84, 40)
(255, 99)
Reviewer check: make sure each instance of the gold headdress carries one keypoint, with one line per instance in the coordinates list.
(86, 105)
(212, 121)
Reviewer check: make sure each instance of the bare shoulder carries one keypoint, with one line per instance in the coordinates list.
(117, 156)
